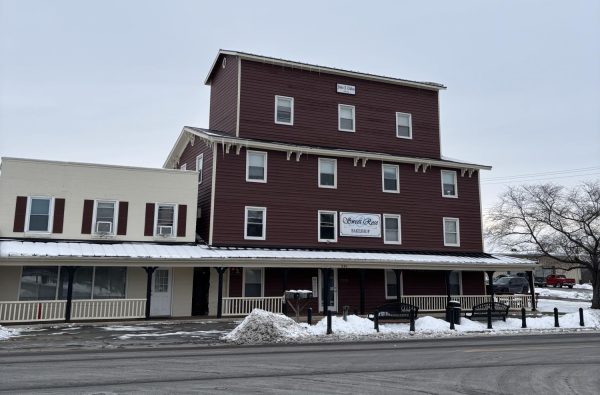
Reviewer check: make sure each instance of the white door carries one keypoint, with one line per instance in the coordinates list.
(333, 294)
(160, 304)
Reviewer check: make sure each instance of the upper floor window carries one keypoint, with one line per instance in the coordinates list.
(390, 178)
(391, 229)
(451, 232)
(328, 226)
(39, 214)
(346, 118)
(164, 221)
(449, 184)
(256, 166)
(200, 167)
(403, 125)
(284, 110)
(256, 218)
(327, 173)
(183, 167)
(105, 217)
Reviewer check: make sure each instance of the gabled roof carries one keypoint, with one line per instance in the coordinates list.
(217, 137)
(321, 69)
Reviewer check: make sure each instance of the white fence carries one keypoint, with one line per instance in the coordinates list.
(243, 306)
(84, 309)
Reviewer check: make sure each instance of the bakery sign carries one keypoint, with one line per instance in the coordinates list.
(360, 225)
(346, 89)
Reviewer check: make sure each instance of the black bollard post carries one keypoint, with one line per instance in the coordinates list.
(556, 318)
(452, 322)
(523, 318)
(329, 331)
(489, 318)
(309, 316)
(376, 320)
(581, 323)
(412, 320)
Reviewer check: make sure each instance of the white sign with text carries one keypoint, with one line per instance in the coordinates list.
(346, 89)
(360, 225)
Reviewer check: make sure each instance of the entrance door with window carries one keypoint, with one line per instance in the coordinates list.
(333, 286)
(160, 305)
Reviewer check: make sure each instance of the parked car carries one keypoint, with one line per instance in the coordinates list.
(559, 280)
(539, 281)
(515, 285)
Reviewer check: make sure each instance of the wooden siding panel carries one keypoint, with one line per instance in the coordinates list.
(223, 96)
(316, 111)
(473, 283)
(292, 198)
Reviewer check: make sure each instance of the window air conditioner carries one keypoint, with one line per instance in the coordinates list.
(165, 231)
(103, 227)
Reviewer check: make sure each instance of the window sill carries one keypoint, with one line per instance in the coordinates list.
(403, 137)
(328, 241)
(450, 196)
(258, 181)
(37, 233)
(164, 238)
(347, 130)
(328, 186)
(393, 243)
(384, 191)
(451, 245)
(254, 238)
(284, 123)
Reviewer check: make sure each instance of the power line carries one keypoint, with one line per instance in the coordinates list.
(524, 180)
(529, 175)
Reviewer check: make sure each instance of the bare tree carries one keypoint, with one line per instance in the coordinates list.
(553, 221)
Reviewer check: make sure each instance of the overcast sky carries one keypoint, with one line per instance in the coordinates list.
(115, 81)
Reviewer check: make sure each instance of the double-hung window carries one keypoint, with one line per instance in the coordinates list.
(391, 229)
(256, 166)
(327, 226)
(200, 167)
(346, 118)
(403, 125)
(451, 232)
(253, 282)
(390, 178)
(105, 214)
(284, 110)
(327, 173)
(255, 223)
(390, 284)
(39, 214)
(449, 184)
(164, 220)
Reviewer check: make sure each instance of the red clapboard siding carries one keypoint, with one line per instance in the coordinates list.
(316, 110)
(20, 213)
(59, 215)
(123, 213)
(223, 96)
(149, 221)
(473, 283)
(88, 213)
(181, 220)
(292, 198)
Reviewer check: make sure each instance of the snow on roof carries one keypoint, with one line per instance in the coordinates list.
(142, 252)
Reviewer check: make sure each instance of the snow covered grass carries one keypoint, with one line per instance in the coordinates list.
(6, 333)
(584, 294)
(583, 286)
(264, 327)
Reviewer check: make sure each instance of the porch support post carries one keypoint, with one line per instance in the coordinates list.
(397, 273)
(531, 289)
(70, 273)
(220, 272)
(284, 285)
(447, 277)
(149, 271)
(491, 283)
(325, 299)
(361, 281)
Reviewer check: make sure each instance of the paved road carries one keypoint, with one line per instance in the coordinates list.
(561, 364)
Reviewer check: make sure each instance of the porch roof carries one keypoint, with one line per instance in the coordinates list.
(22, 252)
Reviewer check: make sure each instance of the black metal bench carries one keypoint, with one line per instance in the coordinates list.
(395, 311)
(498, 310)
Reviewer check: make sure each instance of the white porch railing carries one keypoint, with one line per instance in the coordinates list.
(244, 306)
(83, 309)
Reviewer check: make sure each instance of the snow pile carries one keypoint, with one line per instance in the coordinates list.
(6, 333)
(354, 326)
(555, 293)
(261, 326)
(583, 286)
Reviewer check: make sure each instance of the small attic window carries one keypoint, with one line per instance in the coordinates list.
(224, 62)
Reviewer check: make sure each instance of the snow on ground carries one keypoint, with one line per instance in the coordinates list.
(583, 294)
(128, 328)
(178, 333)
(264, 327)
(6, 333)
(563, 306)
(583, 286)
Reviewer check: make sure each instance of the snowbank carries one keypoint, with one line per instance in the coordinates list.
(261, 326)
(583, 286)
(556, 293)
(6, 333)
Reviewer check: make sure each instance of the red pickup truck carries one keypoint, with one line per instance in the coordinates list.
(559, 280)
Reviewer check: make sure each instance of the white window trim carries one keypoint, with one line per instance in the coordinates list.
(399, 241)
(115, 216)
(183, 167)
(335, 226)
(50, 215)
(385, 275)
(262, 281)
(291, 123)
(410, 133)
(455, 183)
(264, 229)
(200, 169)
(175, 213)
(446, 244)
(334, 186)
(248, 152)
(397, 168)
(340, 118)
